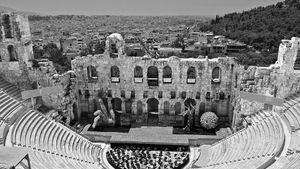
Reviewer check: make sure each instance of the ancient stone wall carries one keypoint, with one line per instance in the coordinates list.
(202, 92)
(16, 49)
(279, 80)
(66, 100)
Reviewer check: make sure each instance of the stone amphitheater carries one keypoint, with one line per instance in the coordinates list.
(266, 135)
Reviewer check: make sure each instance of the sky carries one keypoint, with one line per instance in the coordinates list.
(135, 7)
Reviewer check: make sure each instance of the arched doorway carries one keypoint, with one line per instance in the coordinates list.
(75, 114)
(190, 104)
(152, 104)
(139, 107)
(117, 108)
(128, 108)
(166, 108)
(177, 108)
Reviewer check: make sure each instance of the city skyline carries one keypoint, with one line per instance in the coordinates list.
(135, 7)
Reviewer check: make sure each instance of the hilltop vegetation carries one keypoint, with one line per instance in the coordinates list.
(262, 27)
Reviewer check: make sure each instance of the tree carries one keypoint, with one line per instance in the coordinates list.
(60, 61)
(209, 120)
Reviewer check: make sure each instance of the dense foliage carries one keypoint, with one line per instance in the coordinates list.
(262, 27)
(209, 120)
(54, 54)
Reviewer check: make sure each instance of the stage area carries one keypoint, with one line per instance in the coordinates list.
(153, 135)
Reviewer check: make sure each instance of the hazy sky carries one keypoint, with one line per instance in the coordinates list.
(135, 7)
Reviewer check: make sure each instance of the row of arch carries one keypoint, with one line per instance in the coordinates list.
(153, 106)
(153, 75)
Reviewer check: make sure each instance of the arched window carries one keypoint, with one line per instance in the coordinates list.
(201, 108)
(0, 58)
(152, 105)
(216, 75)
(7, 26)
(113, 51)
(191, 75)
(167, 74)
(177, 108)
(166, 107)
(138, 74)
(152, 76)
(12, 53)
(139, 107)
(92, 73)
(115, 74)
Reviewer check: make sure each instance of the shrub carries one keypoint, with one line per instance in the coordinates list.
(209, 120)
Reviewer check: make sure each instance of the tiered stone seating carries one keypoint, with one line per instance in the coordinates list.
(253, 147)
(291, 117)
(34, 131)
(10, 109)
(44, 160)
(10, 89)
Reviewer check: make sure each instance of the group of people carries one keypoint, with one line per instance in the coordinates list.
(145, 157)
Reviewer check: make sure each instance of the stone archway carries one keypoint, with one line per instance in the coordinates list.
(190, 104)
(117, 108)
(152, 105)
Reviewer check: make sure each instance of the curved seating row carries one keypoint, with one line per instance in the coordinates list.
(43, 160)
(10, 89)
(291, 117)
(35, 131)
(10, 109)
(50, 144)
(252, 147)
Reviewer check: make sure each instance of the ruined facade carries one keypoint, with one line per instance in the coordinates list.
(16, 48)
(144, 90)
(16, 56)
(279, 80)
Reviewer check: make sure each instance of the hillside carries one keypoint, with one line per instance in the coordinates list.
(262, 27)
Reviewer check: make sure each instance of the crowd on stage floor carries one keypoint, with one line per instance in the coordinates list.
(147, 157)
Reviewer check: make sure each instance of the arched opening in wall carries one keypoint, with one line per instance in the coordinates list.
(166, 108)
(221, 95)
(87, 93)
(12, 53)
(128, 106)
(190, 104)
(191, 75)
(115, 74)
(214, 107)
(113, 50)
(201, 108)
(116, 105)
(152, 76)
(138, 74)
(152, 104)
(216, 75)
(167, 74)
(177, 108)
(7, 26)
(0, 58)
(92, 73)
(75, 113)
(139, 107)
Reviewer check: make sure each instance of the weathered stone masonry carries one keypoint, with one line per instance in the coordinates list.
(115, 77)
